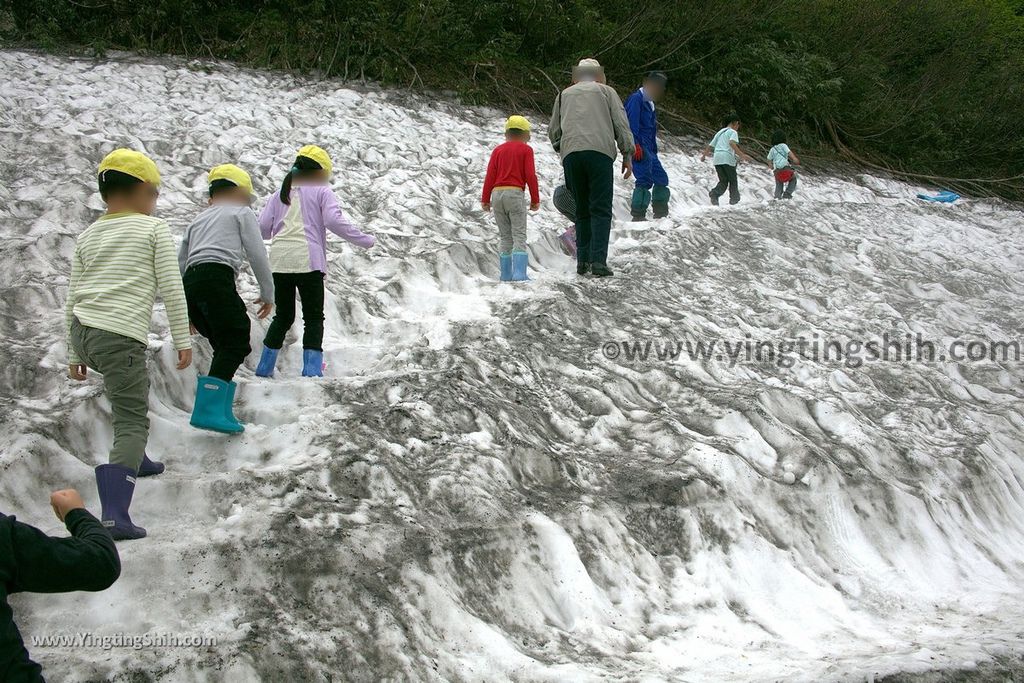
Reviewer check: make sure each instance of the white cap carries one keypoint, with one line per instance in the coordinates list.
(588, 70)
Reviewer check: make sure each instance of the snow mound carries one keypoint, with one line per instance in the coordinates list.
(478, 491)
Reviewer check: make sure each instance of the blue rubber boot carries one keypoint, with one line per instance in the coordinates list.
(229, 406)
(312, 363)
(209, 411)
(520, 260)
(149, 468)
(268, 361)
(505, 261)
(116, 484)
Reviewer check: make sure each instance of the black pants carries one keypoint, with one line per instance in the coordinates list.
(727, 178)
(218, 314)
(591, 180)
(310, 288)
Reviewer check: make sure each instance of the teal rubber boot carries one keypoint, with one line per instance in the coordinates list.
(638, 205)
(211, 406)
(229, 407)
(520, 260)
(505, 261)
(659, 201)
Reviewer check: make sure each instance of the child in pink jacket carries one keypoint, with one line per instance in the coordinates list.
(296, 221)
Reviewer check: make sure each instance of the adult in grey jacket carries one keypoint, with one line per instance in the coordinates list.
(589, 129)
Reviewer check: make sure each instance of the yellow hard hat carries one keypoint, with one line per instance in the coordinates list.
(318, 155)
(135, 164)
(517, 123)
(231, 173)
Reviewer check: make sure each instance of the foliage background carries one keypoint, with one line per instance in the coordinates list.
(926, 87)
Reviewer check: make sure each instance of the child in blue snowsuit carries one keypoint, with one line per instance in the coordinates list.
(651, 180)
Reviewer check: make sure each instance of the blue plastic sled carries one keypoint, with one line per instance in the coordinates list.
(944, 196)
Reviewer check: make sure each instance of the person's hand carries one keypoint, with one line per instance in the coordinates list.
(535, 206)
(703, 157)
(627, 168)
(192, 328)
(486, 206)
(184, 358)
(77, 372)
(638, 153)
(64, 501)
(265, 307)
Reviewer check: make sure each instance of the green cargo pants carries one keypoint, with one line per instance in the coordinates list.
(122, 362)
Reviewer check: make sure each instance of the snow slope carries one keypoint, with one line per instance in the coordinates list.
(476, 492)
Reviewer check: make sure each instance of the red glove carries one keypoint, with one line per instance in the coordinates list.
(638, 153)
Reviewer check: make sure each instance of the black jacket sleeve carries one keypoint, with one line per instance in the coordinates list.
(87, 561)
(32, 561)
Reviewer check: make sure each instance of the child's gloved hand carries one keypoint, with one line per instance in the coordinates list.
(638, 153)
(535, 207)
(486, 206)
(77, 372)
(265, 307)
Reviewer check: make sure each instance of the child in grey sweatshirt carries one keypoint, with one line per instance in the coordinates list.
(213, 250)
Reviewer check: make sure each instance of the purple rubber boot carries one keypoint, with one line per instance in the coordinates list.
(116, 484)
(568, 241)
(150, 468)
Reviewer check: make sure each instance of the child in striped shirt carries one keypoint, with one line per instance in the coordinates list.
(120, 264)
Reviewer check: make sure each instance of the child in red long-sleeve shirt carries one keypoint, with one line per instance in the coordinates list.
(509, 172)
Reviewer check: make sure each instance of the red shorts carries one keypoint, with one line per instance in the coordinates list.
(784, 175)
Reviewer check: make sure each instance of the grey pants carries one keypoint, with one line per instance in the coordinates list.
(727, 179)
(509, 208)
(785, 190)
(122, 362)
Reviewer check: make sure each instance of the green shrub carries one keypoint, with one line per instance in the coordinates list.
(932, 86)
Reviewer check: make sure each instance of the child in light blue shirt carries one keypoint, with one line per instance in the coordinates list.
(726, 153)
(782, 159)
(722, 146)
